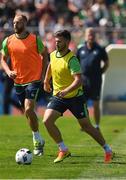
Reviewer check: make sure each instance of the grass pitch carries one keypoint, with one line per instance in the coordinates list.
(86, 161)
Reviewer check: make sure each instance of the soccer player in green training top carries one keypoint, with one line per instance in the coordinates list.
(28, 61)
(64, 70)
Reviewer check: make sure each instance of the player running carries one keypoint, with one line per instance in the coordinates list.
(64, 70)
(28, 61)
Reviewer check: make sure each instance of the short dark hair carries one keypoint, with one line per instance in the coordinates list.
(63, 33)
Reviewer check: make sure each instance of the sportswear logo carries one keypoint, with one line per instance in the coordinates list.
(82, 113)
(48, 104)
(32, 94)
(95, 52)
(82, 52)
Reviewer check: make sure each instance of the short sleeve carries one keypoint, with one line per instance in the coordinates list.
(40, 45)
(4, 49)
(74, 66)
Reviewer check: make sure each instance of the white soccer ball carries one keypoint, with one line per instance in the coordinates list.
(23, 156)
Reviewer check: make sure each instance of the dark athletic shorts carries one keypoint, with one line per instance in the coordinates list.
(92, 90)
(29, 91)
(76, 105)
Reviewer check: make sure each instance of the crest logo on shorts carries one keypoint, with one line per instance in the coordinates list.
(95, 52)
(48, 104)
(82, 52)
(32, 94)
(82, 113)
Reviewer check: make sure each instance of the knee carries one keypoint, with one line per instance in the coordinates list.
(49, 118)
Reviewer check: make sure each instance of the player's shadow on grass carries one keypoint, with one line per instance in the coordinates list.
(87, 159)
(118, 162)
(76, 156)
(117, 159)
(75, 159)
(85, 156)
(120, 155)
(83, 159)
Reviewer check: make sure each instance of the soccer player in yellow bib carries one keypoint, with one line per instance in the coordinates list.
(64, 70)
(28, 58)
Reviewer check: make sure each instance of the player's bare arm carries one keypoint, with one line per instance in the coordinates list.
(105, 66)
(11, 74)
(75, 84)
(45, 60)
(47, 79)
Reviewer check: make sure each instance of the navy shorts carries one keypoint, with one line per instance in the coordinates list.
(76, 105)
(29, 91)
(92, 92)
(92, 89)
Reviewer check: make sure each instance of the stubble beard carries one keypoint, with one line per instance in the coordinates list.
(61, 49)
(19, 30)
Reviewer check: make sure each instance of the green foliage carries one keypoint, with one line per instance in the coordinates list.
(87, 156)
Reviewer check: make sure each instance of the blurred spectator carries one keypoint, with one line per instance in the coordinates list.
(7, 10)
(117, 17)
(102, 32)
(49, 41)
(116, 37)
(52, 15)
(2, 34)
(27, 7)
(100, 10)
(46, 24)
(45, 6)
(90, 20)
(77, 23)
(94, 62)
(74, 7)
(61, 8)
(60, 24)
(72, 46)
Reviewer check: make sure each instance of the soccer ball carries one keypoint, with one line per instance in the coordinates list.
(23, 156)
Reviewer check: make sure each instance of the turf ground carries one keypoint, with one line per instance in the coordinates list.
(87, 156)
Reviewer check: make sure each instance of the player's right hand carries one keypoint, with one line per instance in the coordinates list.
(47, 87)
(12, 74)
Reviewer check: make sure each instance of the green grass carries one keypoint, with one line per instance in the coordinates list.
(87, 155)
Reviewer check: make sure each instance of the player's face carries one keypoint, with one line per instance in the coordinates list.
(19, 24)
(61, 44)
